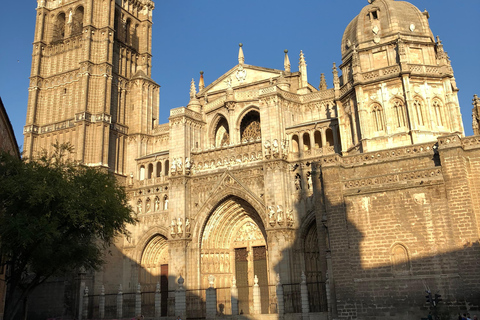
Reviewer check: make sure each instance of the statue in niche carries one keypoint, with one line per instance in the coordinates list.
(179, 226)
(267, 146)
(227, 262)
(165, 202)
(271, 216)
(275, 150)
(157, 204)
(309, 181)
(187, 226)
(188, 165)
(279, 214)
(298, 182)
(130, 181)
(147, 206)
(289, 218)
(179, 164)
(173, 168)
(139, 206)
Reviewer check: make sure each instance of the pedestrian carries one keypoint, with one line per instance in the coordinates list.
(179, 318)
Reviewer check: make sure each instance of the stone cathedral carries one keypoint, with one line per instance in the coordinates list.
(368, 191)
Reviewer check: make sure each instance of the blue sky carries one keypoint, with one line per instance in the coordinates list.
(193, 35)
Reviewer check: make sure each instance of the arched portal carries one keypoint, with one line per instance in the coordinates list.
(233, 244)
(154, 269)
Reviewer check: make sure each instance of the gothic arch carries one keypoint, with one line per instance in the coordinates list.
(77, 23)
(400, 258)
(214, 124)
(146, 238)
(439, 112)
(419, 110)
(249, 123)
(212, 203)
(378, 119)
(59, 27)
(399, 112)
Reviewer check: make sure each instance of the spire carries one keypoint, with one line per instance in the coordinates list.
(241, 57)
(336, 80)
(193, 90)
(323, 82)
(286, 61)
(194, 103)
(201, 83)
(302, 67)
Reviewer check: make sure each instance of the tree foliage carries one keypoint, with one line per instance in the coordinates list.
(55, 217)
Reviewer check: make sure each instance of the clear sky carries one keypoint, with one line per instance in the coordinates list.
(194, 35)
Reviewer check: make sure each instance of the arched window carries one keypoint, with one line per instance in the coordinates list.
(419, 112)
(400, 114)
(167, 167)
(142, 173)
(306, 142)
(77, 24)
(250, 127)
(222, 133)
(59, 27)
(377, 117)
(159, 169)
(439, 113)
(295, 143)
(128, 26)
(318, 139)
(329, 136)
(150, 171)
(400, 260)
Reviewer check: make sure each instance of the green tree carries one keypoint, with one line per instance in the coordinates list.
(55, 217)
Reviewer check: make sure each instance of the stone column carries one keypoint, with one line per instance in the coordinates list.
(257, 301)
(101, 303)
(158, 302)
(180, 300)
(138, 301)
(85, 304)
(120, 302)
(211, 302)
(234, 297)
(280, 301)
(304, 296)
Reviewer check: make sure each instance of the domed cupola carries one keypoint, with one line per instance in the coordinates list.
(384, 21)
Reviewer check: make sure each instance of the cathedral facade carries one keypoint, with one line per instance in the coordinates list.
(367, 191)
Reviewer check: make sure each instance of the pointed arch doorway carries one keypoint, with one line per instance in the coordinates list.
(154, 269)
(233, 245)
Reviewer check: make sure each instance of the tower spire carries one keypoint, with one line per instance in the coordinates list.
(323, 82)
(201, 83)
(302, 68)
(193, 90)
(286, 61)
(241, 57)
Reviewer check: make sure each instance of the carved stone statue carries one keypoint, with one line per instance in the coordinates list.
(157, 204)
(279, 214)
(309, 181)
(298, 182)
(147, 206)
(289, 218)
(130, 181)
(211, 281)
(267, 146)
(275, 150)
(187, 226)
(179, 226)
(139, 206)
(271, 216)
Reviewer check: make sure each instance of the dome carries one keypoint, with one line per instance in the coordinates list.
(382, 19)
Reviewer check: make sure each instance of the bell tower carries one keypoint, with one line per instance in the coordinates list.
(90, 81)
